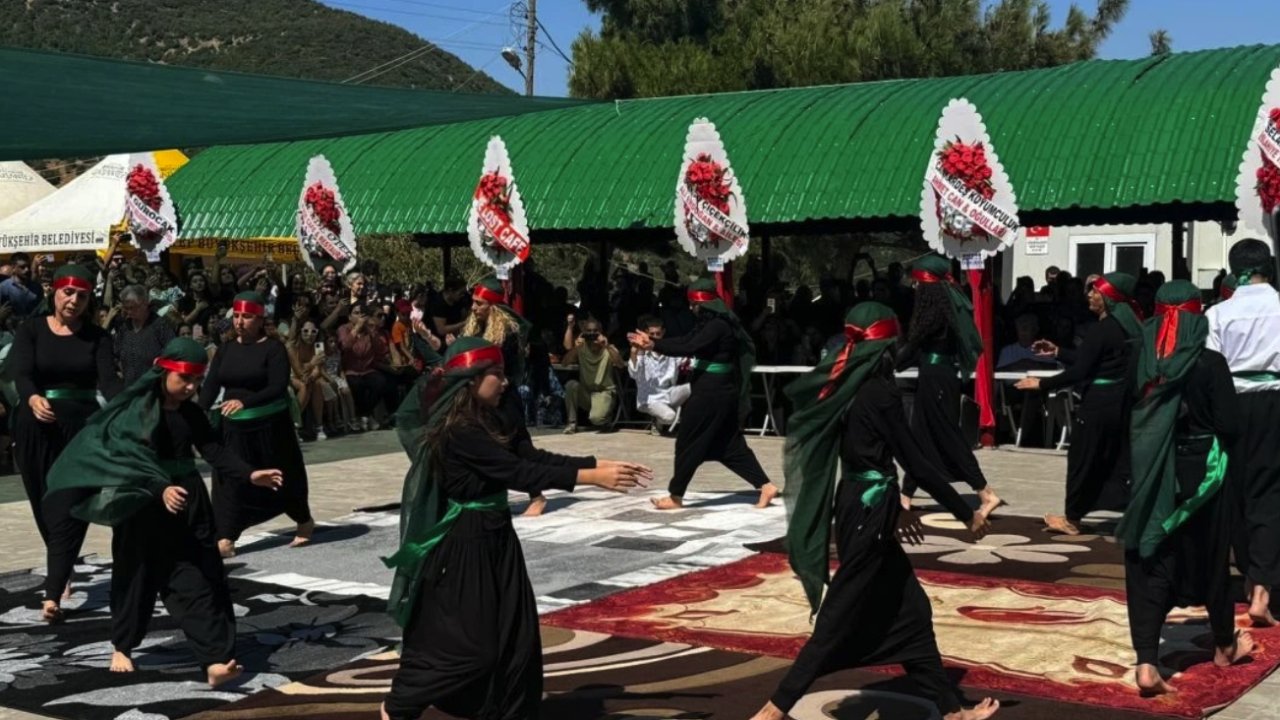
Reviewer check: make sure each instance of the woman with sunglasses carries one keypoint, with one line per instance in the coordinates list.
(308, 371)
(60, 363)
(252, 372)
(365, 363)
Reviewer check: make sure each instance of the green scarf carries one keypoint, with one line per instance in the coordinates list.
(113, 453)
(423, 506)
(1117, 290)
(1172, 343)
(492, 291)
(746, 346)
(822, 398)
(937, 269)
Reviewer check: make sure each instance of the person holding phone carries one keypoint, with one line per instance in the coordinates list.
(306, 361)
(595, 391)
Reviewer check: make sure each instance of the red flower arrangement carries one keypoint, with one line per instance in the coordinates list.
(710, 181)
(496, 191)
(325, 205)
(1268, 186)
(142, 184)
(968, 163)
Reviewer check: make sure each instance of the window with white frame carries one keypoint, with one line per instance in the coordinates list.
(1097, 254)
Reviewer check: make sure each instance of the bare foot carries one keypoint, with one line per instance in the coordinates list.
(66, 592)
(769, 712)
(1058, 523)
(1235, 652)
(990, 501)
(1150, 684)
(51, 613)
(382, 709)
(767, 493)
(537, 506)
(302, 537)
(981, 711)
(220, 673)
(226, 548)
(906, 502)
(121, 662)
(668, 503)
(1260, 607)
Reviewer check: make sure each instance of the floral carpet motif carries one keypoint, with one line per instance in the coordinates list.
(1053, 640)
(283, 635)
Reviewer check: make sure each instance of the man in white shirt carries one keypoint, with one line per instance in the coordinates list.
(1246, 330)
(656, 376)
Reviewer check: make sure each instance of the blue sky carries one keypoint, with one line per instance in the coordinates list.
(476, 30)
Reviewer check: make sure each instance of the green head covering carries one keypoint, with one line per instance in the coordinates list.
(698, 291)
(249, 301)
(1228, 287)
(1172, 343)
(75, 271)
(937, 269)
(822, 398)
(422, 503)
(113, 454)
(1117, 290)
(492, 291)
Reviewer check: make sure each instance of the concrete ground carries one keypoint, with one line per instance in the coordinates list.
(368, 470)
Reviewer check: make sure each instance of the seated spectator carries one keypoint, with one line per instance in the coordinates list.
(401, 335)
(1019, 354)
(306, 362)
(595, 390)
(658, 392)
(339, 405)
(139, 334)
(366, 364)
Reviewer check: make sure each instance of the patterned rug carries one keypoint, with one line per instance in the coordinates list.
(282, 635)
(590, 676)
(1052, 640)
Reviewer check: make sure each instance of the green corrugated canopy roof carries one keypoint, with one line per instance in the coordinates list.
(1096, 141)
(62, 105)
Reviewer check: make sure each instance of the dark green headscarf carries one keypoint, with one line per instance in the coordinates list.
(1172, 343)
(422, 504)
(822, 398)
(1117, 290)
(1228, 287)
(113, 453)
(937, 269)
(492, 291)
(249, 302)
(69, 274)
(698, 291)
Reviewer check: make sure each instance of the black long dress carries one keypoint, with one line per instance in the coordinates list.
(42, 362)
(1190, 567)
(175, 556)
(875, 612)
(709, 427)
(471, 646)
(935, 414)
(256, 375)
(511, 407)
(1098, 458)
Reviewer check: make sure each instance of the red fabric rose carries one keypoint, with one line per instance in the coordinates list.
(968, 163)
(142, 184)
(324, 204)
(1268, 186)
(709, 181)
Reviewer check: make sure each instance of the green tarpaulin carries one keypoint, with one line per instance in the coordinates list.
(60, 105)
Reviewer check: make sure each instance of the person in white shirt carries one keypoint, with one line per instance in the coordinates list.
(658, 393)
(1246, 331)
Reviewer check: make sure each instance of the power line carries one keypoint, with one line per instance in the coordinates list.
(547, 32)
(438, 6)
(397, 62)
(475, 74)
(414, 13)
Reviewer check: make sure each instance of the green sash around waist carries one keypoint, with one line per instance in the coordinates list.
(1215, 471)
(938, 359)
(1257, 375)
(254, 413)
(77, 394)
(1104, 381)
(878, 481)
(715, 368)
(411, 555)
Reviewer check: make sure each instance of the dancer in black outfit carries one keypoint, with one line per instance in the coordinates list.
(875, 612)
(945, 344)
(132, 469)
(1098, 458)
(1177, 529)
(494, 320)
(256, 426)
(711, 421)
(461, 590)
(59, 365)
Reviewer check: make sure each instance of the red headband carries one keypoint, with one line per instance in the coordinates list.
(181, 367)
(1110, 292)
(471, 358)
(72, 281)
(702, 296)
(483, 293)
(248, 306)
(1225, 292)
(882, 329)
(925, 276)
(1167, 336)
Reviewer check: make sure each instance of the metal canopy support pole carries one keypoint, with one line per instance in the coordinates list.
(446, 263)
(766, 261)
(1180, 268)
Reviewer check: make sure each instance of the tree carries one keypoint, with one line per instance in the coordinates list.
(1161, 42)
(649, 48)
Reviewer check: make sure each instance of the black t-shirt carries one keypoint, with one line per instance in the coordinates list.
(452, 314)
